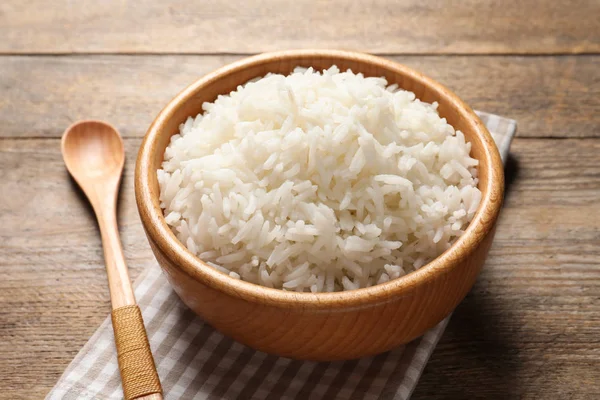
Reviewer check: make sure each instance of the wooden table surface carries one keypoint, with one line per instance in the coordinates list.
(530, 328)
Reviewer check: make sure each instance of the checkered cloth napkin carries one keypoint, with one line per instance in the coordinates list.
(196, 362)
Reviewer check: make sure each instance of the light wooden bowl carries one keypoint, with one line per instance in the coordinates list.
(323, 326)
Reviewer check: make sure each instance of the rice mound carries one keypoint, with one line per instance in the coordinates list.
(318, 181)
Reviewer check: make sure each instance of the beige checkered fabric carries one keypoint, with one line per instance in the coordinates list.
(196, 362)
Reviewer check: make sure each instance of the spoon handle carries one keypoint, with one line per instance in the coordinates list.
(138, 370)
(119, 285)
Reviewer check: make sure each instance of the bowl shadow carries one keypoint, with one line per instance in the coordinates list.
(474, 359)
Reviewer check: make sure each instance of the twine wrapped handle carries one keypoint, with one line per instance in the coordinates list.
(138, 372)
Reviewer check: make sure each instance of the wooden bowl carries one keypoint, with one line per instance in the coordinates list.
(321, 326)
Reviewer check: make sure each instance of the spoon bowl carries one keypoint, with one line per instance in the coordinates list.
(93, 152)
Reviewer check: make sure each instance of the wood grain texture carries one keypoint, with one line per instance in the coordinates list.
(549, 96)
(529, 327)
(241, 26)
(37, 212)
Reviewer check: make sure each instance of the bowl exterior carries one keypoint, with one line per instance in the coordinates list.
(331, 326)
(326, 335)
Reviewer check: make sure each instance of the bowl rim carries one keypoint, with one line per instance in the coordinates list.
(161, 235)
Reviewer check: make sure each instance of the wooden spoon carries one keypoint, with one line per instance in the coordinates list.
(94, 155)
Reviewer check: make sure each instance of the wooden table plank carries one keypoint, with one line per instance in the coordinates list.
(53, 294)
(530, 327)
(243, 26)
(42, 95)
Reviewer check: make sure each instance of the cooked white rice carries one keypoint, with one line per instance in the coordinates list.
(318, 182)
